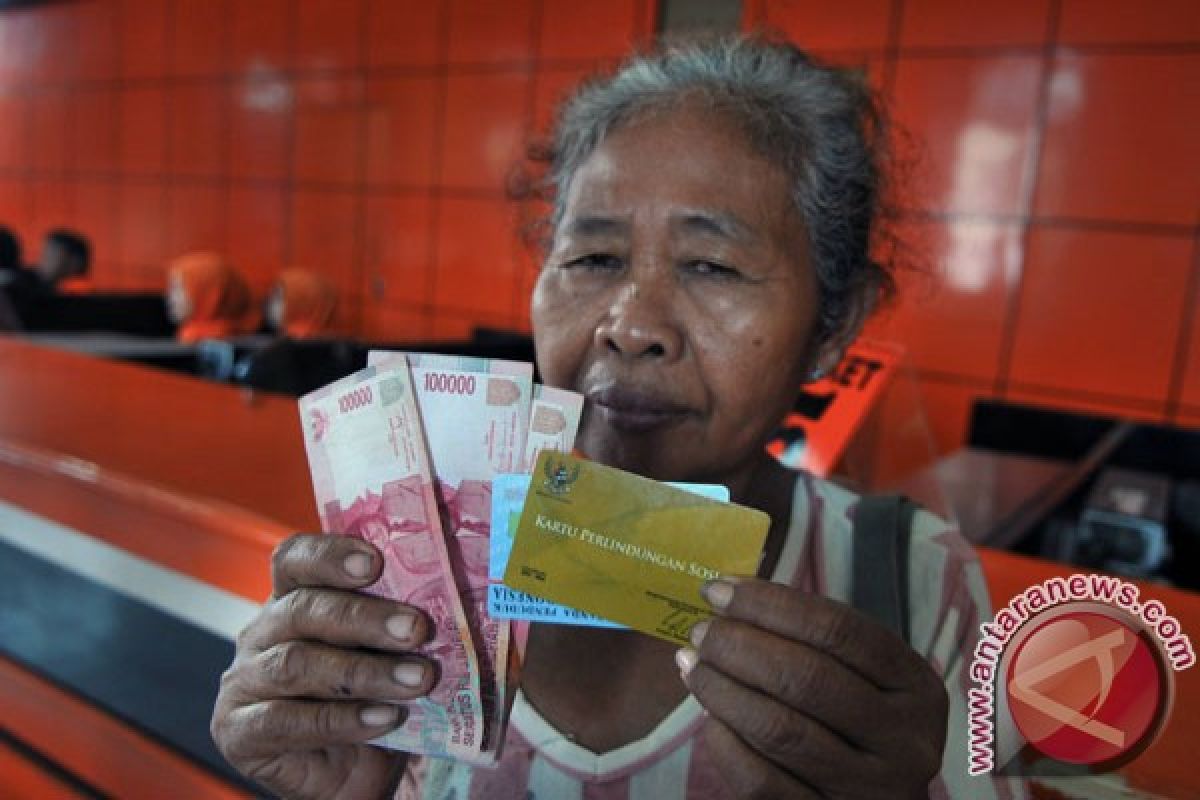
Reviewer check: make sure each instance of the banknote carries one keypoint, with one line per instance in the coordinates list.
(508, 499)
(553, 422)
(627, 548)
(475, 413)
(372, 479)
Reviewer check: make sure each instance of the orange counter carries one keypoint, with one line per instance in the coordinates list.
(199, 477)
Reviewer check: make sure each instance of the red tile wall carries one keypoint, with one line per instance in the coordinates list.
(1051, 199)
(370, 140)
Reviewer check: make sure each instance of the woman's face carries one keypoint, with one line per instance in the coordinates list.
(678, 297)
(179, 305)
(275, 309)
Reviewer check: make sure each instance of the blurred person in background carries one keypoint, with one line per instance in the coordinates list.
(301, 305)
(207, 298)
(65, 262)
(10, 254)
(10, 264)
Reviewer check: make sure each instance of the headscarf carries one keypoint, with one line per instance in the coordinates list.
(308, 302)
(220, 300)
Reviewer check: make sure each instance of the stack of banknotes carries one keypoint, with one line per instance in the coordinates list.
(403, 454)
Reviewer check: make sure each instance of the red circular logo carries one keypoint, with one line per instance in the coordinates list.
(1087, 687)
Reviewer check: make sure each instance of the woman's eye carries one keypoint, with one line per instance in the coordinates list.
(596, 261)
(713, 269)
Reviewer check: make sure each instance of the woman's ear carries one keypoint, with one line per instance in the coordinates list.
(829, 353)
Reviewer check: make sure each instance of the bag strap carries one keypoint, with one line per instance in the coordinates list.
(881, 542)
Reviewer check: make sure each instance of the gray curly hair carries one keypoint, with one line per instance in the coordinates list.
(819, 123)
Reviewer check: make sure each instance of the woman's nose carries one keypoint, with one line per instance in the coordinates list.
(639, 325)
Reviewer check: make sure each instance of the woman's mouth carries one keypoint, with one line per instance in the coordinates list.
(635, 410)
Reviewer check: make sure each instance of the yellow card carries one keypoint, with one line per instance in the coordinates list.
(627, 548)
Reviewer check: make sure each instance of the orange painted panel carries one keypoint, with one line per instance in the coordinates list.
(97, 747)
(491, 33)
(256, 219)
(405, 33)
(260, 124)
(200, 37)
(53, 207)
(399, 267)
(15, 140)
(383, 323)
(199, 129)
(401, 131)
(51, 117)
(1100, 312)
(96, 217)
(195, 219)
(143, 37)
(258, 39)
(143, 126)
(1189, 394)
(973, 121)
(994, 23)
(16, 208)
(950, 312)
(477, 267)
(141, 245)
(94, 134)
(591, 29)
(325, 236)
(850, 25)
(552, 86)
(1109, 21)
(96, 49)
(328, 34)
(329, 120)
(1108, 154)
(486, 121)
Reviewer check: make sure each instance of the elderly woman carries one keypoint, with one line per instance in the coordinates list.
(714, 208)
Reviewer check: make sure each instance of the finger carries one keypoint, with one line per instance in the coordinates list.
(299, 668)
(272, 727)
(748, 774)
(851, 637)
(322, 560)
(801, 746)
(347, 619)
(796, 674)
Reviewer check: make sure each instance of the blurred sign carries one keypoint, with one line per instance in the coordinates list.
(828, 413)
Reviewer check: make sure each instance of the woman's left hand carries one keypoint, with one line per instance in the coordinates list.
(810, 698)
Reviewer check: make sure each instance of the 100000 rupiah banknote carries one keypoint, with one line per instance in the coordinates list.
(475, 413)
(373, 480)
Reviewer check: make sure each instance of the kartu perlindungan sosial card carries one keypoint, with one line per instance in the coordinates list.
(627, 548)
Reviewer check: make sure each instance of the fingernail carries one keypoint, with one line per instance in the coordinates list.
(377, 716)
(686, 658)
(699, 631)
(357, 565)
(411, 675)
(718, 593)
(401, 626)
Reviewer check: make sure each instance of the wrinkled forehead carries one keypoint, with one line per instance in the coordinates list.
(687, 157)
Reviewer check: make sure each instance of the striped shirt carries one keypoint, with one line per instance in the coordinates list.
(947, 602)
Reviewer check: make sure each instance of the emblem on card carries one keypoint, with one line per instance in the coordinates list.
(559, 478)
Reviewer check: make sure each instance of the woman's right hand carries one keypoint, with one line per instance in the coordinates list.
(321, 670)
